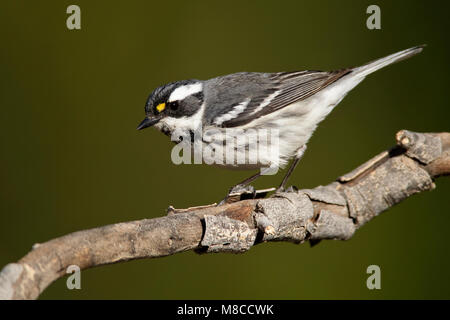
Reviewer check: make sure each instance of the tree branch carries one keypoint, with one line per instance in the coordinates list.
(334, 211)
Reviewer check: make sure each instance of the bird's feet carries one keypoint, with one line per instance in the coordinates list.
(288, 189)
(239, 192)
(241, 189)
(242, 192)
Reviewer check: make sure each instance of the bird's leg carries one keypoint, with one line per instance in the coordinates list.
(236, 192)
(244, 187)
(288, 174)
(294, 164)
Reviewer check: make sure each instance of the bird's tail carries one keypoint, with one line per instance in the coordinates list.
(373, 66)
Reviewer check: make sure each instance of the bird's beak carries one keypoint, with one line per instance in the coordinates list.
(148, 122)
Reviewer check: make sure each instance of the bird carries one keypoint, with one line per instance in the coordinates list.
(292, 104)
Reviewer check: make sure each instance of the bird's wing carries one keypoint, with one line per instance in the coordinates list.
(267, 93)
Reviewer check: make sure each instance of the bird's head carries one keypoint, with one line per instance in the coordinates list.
(172, 102)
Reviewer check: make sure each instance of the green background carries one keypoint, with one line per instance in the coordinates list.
(71, 158)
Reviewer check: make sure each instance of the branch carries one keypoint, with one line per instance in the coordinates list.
(334, 211)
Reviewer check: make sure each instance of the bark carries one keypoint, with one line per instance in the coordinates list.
(334, 211)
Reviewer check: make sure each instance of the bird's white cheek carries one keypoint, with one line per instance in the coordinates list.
(191, 123)
(182, 124)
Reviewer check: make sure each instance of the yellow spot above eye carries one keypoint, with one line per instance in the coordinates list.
(160, 107)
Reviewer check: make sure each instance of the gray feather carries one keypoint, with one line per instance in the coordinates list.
(222, 93)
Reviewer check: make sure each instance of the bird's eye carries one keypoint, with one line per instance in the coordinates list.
(174, 105)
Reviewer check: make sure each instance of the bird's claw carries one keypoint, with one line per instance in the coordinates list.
(239, 192)
(288, 190)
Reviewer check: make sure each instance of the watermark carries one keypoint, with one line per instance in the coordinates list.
(73, 281)
(73, 21)
(374, 20)
(225, 310)
(252, 148)
(374, 280)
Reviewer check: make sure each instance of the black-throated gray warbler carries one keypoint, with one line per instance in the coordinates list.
(293, 103)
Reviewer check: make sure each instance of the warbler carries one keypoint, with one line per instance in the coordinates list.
(291, 103)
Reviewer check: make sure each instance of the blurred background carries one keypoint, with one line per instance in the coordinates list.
(71, 157)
